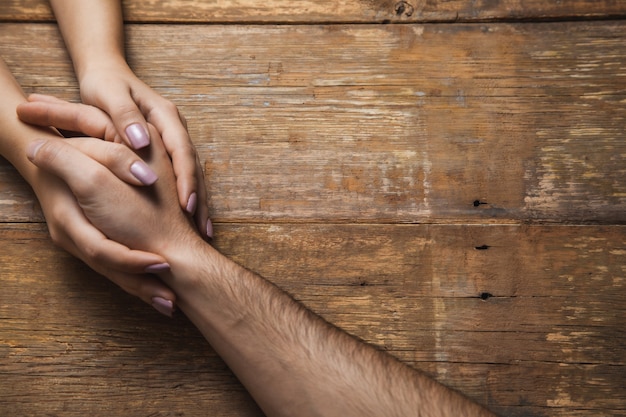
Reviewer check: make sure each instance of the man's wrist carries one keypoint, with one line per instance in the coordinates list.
(187, 256)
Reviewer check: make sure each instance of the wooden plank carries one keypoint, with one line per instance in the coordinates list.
(429, 124)
(548, 342)
(325, 11)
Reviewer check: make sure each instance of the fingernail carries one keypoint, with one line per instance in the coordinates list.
(33, 148)
(143, 173)
(138, 136)
(156, 268)
(163, 306)
(191, 203)
(209, 229)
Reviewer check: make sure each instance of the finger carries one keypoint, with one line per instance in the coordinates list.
(63, 160)
(45, 98)
(50, 111)
(182, 152)
(203, 222)
(121, 265)
(93, 248)
(102, 251)
(190, 184)
(148, 288)
(126, 116)
(120, 160)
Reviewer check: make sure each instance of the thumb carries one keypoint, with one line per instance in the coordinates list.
(66, 162)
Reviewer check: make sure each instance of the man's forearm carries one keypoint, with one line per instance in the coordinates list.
(292, 361)
(93, 32)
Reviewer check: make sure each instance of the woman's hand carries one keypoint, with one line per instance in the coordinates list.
(138, 217)
(68, 226)
(132, 270)
(147, 218)
(126, 100)
(93, 32)
(131, 103)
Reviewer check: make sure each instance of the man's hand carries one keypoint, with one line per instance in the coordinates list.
(144, 218)
(131, 105)
(125, 100)
(132, 270)
(93, 31)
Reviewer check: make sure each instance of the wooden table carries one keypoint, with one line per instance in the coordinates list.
(444, 179)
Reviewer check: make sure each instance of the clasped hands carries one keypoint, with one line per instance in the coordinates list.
(129, 196)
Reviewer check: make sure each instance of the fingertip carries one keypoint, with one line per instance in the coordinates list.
(192, 203)
(138, 136)
(209, 229)
(157, 268)
(143, 172)
(163, 306)
(33, 148)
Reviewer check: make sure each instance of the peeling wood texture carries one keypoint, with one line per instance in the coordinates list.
(451, 189)
(419, 121)
(547, 341)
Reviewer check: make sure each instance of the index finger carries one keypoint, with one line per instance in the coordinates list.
(50, 111)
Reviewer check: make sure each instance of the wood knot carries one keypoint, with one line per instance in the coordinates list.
(403, 8)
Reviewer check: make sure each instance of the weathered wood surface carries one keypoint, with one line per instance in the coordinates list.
(417, 126)
(325, 11)
(343, 161)
(547, 341)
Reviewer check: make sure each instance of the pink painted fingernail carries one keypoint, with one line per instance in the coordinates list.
(138, 136)
(156, 268)
(191, 203)
(163, 306)
(143, 173)
(209, 229)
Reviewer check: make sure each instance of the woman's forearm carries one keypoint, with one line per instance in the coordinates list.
(93, 32)
(15, 136)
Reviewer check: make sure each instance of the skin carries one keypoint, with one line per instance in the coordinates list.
(67, 224)
(94, 35)
(291, 361)
(93, 32)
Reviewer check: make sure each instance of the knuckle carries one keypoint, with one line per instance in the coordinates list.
(187, 151)
(117, 151)
(93, 179)
(92, 253)
(169, 107)
(47, 152)
(125, 110)
(115, 154)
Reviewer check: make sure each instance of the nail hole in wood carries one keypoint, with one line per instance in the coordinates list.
(479, 203)
(485, 295)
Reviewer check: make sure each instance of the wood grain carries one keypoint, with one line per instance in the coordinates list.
(420, 125)
(325, 11)
(412, 290)
(450, 191)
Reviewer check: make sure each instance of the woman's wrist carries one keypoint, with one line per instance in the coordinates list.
(110, 63)
(15, 145)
